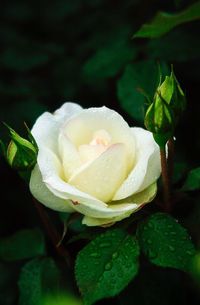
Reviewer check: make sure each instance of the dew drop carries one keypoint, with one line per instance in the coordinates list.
(113, 282)
(171, 248)
(152, 254)
(104, 245)
(94, 254)
(115, 255)
(149, 241)
(108, 266)
(189, 252)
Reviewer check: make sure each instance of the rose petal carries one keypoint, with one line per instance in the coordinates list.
(147, 167)
(43, 195)
(80, 129)
(101, 177)
(137, 201)
(51, 170)
(69, 155)
(46, 128)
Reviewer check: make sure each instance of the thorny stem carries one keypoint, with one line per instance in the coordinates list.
(165, 179)
(51, 231)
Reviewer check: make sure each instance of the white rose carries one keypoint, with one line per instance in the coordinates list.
(90, 161)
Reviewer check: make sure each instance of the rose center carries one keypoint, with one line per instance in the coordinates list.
(100, 142)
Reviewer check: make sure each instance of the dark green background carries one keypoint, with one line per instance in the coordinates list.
(58, 51)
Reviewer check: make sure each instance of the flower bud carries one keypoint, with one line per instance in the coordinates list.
(21, 154)
(163, 113)
(173, 95)
(159, 118)
(178, 99)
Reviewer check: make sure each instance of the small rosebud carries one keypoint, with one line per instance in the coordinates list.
(163, 113)
(173, 95)
(178, 99)
(21, 154)
(159, 118)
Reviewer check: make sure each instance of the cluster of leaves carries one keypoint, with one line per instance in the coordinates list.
(82, 51)
(103, 268)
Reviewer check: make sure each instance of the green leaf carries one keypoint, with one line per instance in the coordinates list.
(67, 299)
(108, 61)
(192, 182)
(142, 75)
(180, 169)
(165, 242)
(106, 265)
(165, 22)
(22, 245)
(38, 278)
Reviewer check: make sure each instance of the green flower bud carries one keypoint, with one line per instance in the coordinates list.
(173, 95)
(163, 113)
(159, 118)
(21, 154)
(178, 99)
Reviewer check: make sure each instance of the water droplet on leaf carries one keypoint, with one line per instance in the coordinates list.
(115, 255)
(108, 266)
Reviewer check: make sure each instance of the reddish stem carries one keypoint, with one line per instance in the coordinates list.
(165, 179)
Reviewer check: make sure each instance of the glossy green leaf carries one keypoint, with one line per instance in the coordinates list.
(38, 278)
(165, 242)
(165, 22)
(108, 61)
(141, 75)
(192, 182)
(106, 265)
(22, 245)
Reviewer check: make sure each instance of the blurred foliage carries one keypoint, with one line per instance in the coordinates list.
(164, 22)
(83, 51)
(22, 245)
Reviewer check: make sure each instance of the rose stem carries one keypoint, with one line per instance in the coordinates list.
(165, 179)
(170, 146)
(52, 233)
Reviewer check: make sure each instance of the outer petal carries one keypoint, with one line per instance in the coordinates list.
(104, 175)
(138, 202)
(43, 195)
(147, 167)
(46, 128)
(81, 128)
(69, 155)
(52, 175)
